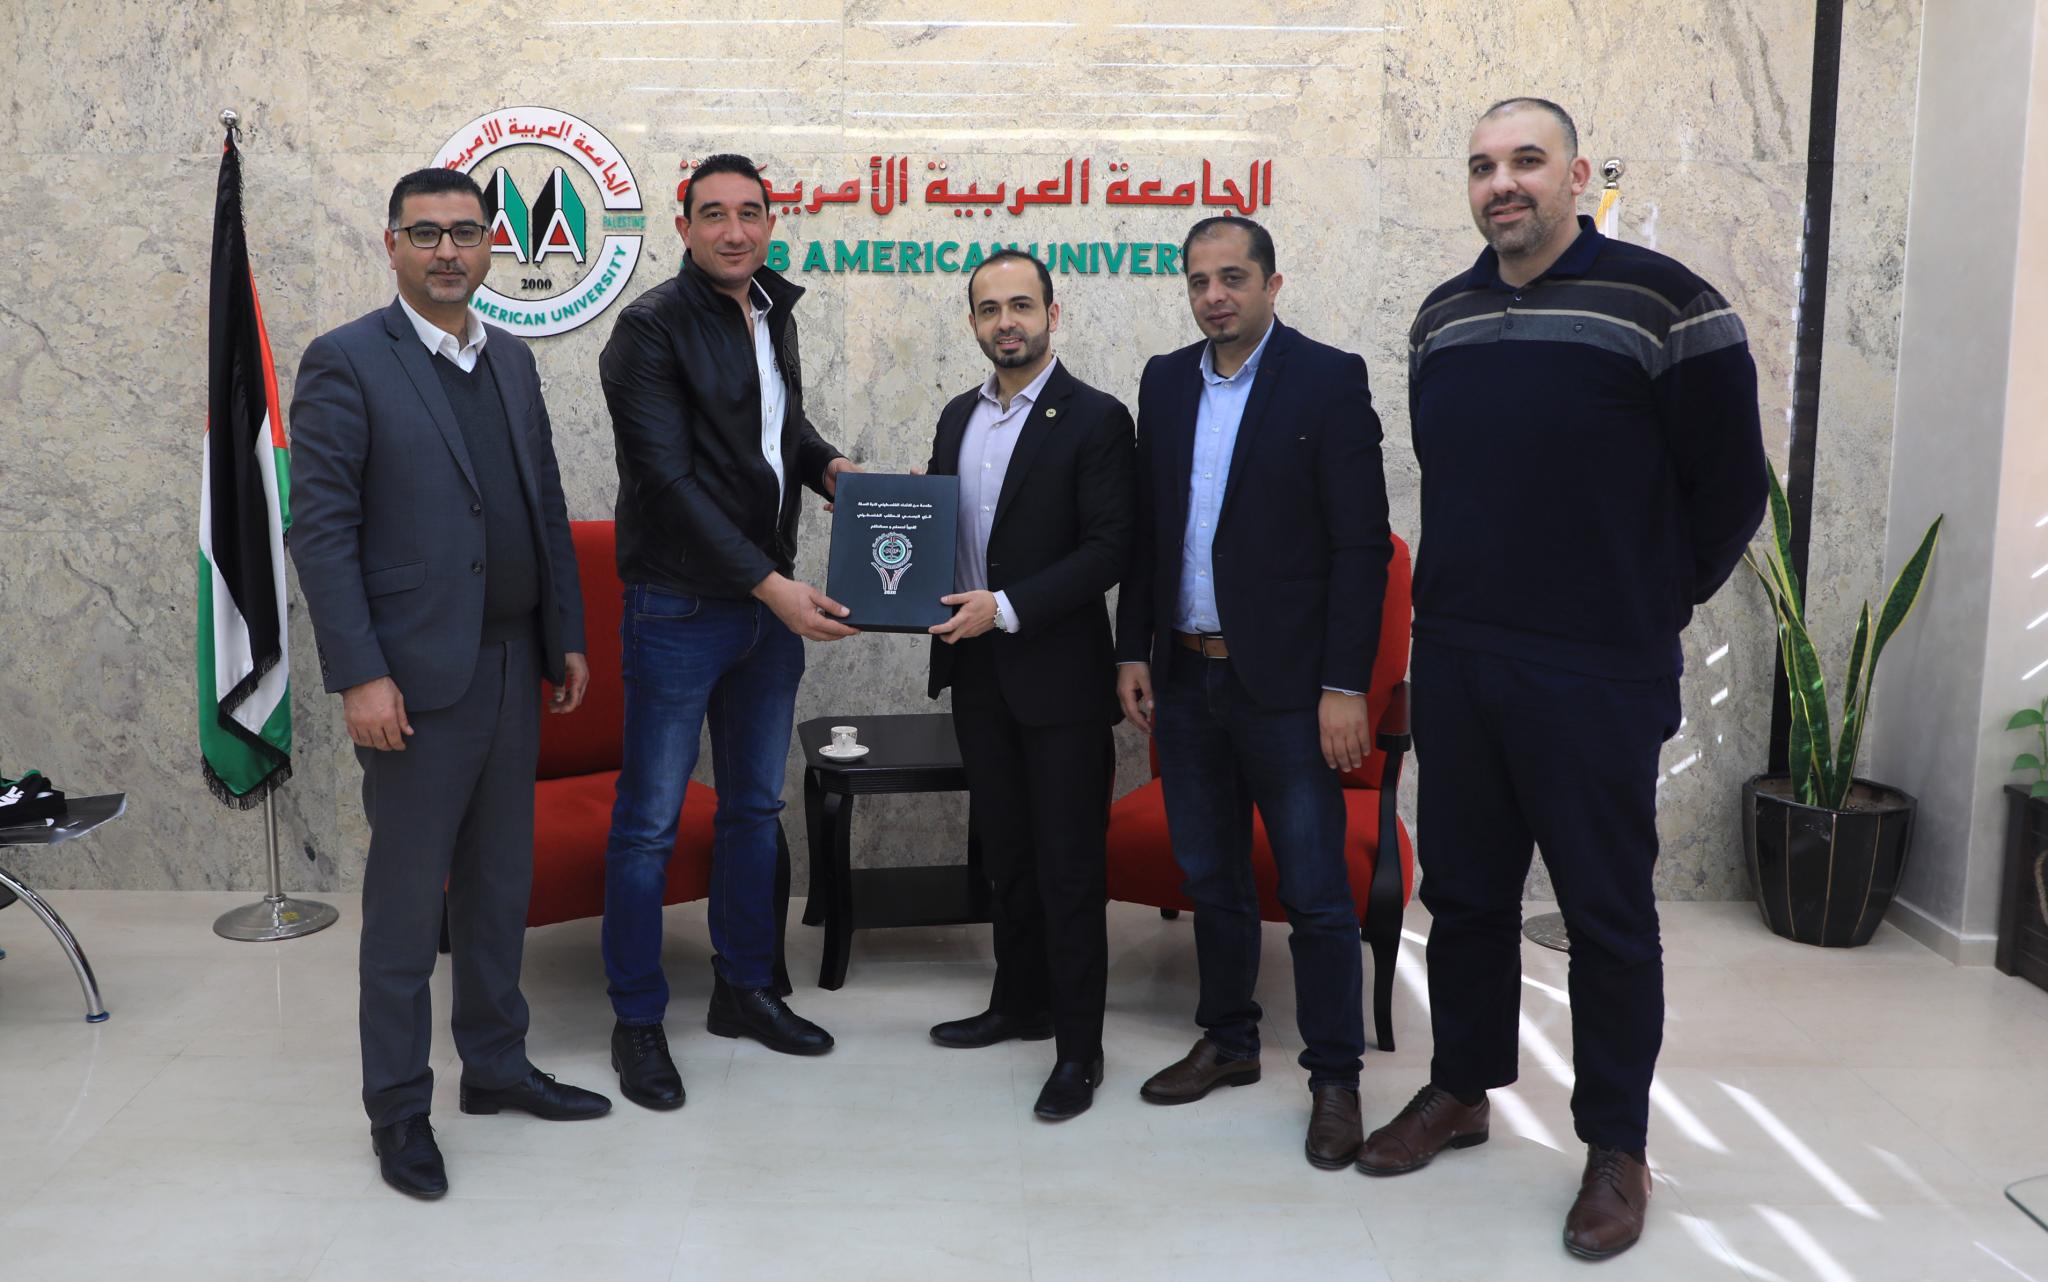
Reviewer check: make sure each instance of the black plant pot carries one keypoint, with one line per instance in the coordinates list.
(1825, 876)
(2023, 909)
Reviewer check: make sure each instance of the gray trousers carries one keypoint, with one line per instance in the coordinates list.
(455, 809)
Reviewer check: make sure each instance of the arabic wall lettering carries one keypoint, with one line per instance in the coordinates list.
(888, 189)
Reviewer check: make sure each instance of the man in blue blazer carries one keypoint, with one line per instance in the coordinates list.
(433, 546)
(1246, 633)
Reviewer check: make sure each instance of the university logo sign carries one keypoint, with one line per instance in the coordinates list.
(543, 172)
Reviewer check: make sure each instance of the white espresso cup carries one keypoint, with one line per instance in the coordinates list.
(845, 738)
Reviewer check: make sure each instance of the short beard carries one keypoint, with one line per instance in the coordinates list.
(1531, 233)
(1029, 351)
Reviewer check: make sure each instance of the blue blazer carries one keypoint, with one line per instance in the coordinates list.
(386, 530)
(1302, 542)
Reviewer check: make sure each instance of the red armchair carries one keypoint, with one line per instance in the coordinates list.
(1141, 865)
(579, 766)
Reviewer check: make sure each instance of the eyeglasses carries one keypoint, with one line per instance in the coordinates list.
(428, 235)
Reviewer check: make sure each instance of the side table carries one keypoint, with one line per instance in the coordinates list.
(85, 814)
(906, 753)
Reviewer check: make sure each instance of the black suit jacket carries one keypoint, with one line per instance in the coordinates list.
(1062, 536)
(387, 529)
(1302, 543)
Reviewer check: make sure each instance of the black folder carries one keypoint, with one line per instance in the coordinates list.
(892, 549)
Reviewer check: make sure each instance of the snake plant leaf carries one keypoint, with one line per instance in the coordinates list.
(1809, 741)
(1781, 535)
(1905, 591)
(1855, 698)
(1785, 585)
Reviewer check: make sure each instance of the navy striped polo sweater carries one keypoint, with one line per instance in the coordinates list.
(1592, 461)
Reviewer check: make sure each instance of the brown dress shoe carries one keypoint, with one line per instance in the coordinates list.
(1433, 1121)
(1202, 1070)
(1608, 1216)
(1334, 1131)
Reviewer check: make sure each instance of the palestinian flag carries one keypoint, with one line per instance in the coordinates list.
(245, 704)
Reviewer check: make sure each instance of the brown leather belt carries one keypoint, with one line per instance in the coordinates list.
(1209, 647)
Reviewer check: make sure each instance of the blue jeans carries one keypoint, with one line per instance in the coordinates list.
(687, 658)
(1220, 754)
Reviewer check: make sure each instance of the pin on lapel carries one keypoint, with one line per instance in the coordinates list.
(1051, 411)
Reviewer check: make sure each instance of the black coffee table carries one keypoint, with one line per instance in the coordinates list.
(906, 753)
(85, 814)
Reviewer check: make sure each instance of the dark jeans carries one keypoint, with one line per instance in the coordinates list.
(1041, 807)
(454, 811)
(688, 658)
(1512, 755)
(1220, 754)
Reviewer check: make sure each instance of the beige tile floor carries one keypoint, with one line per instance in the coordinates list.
(1819, 1115)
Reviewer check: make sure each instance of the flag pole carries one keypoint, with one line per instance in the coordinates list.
(276, 916)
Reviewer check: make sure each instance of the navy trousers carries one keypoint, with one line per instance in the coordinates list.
(1513, 755)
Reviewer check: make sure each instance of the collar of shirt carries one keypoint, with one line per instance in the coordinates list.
(1029, 396)
(1576, 260)
(1246, 371)
(762, 304)
(439, 342)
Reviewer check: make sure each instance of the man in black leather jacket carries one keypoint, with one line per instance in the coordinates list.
(706, 397)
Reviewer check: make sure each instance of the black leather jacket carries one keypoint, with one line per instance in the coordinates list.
(698, 512)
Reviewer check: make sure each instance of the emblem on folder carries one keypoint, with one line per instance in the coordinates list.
(891, 553)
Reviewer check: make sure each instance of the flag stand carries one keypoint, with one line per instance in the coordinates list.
(276, 916)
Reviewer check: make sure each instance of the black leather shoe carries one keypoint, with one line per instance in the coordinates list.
(647, 1074)
(1070, 1089)
(408, 1157)
(761, 1014)
(991, 1027)
(537, 1093)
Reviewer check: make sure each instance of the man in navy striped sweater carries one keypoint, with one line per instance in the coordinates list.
(1585, 415)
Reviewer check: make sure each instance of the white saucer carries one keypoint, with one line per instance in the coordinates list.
(856, 751)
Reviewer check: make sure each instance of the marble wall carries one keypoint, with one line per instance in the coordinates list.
(109, 150)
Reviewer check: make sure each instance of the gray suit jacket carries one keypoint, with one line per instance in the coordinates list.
(387, 522)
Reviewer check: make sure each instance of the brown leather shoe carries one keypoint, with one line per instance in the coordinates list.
(1608, 1216)
(1433, 1121)
(1202, 1070)
(1334, 1131)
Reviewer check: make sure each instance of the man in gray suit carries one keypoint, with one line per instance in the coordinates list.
(433, 547)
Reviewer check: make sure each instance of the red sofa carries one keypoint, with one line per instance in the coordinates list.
(1141, 864)
(579, 767)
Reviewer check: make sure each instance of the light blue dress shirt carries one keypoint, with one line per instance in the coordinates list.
(1216, 424)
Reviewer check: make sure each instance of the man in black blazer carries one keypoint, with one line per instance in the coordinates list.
(1047, 500)
(1252, 613)
(433, 546)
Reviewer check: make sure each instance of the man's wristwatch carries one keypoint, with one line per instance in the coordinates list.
(1002, 622)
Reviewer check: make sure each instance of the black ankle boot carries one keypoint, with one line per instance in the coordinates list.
(760, 1013)
(647, 1073)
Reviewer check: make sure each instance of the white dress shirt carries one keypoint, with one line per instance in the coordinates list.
(461, 352)
(774, 392)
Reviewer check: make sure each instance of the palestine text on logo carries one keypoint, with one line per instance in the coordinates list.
(543, 173)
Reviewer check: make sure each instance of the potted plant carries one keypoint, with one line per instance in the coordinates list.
(1826, 848)
(2023, 909)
